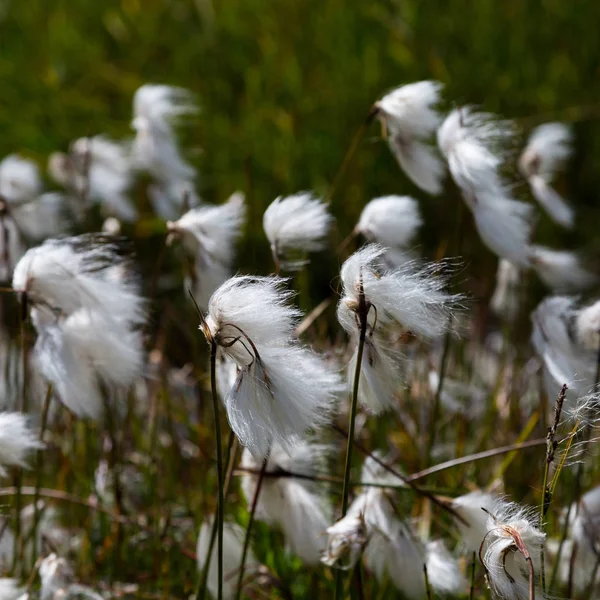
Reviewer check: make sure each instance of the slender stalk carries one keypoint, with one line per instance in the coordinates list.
(39, 463)
(261, 476)
(427, 586)
(362, 316)
(472, 588)
(220, 507)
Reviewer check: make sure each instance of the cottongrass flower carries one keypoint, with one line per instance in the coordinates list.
(296, 225)
(97, 170)
(473, 144)
(346, 541)
(282, 388)
(511, 552)
(16, 441)
(507, 297)
(391, 221)
(548, 147)
(19, 180)
(292, 504)
(410, 117)
(233, 543)
(157, 108)
(561, 270)
(209, 235)
(411, 296)
(10, 589)
(58, 581)
(88, 312)
(472, 521)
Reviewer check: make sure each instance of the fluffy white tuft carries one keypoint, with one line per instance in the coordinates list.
(10, 589)
(19, 180)
(410, 117)
(16, 440)
(469, 508)
(297, 223)
(561, 270)
(443, 570)
(233, 542)
(506, 298)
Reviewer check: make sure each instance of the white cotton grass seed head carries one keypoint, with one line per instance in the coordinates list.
(17, 440)
(282, 388)
(410, 117)
(56, 575)
(473, 526)
(297, 506)
(443, 570)
(391, 221)
(587, 327)
(512, 543)
(10, 589)
(561, 270)
(20, 180)
(44, 217)
(233, 542)
(346, 540)
(507, 296)
(296, 224)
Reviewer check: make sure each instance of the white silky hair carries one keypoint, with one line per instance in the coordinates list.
(157, 108)
(209, 234)
(410, 117)
(41, 218)
(280, 396)
(80, 272)
(17, 440)
(507, 296)
(10, 589)
(294, 505)
(506, 567)
(391, 221)
(548, 147)
(299, 222)
(443, 570)
(233, 541)
(561, 270)
(345, 541)
(473, 526)
(411, 295)
(587, 327)
(56, 575)
(19, 179)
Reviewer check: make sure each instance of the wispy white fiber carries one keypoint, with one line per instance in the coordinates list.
(410, 116)
(17, 440)
(209, 234)
(19, 179)
(10, 589)
(470, 508)
(297, 506)
(233, 542)
(548, 147)
(507, 296)
(391, 221)
(157, 108)
(443, 570)
(296, 224)
(282, 388)
(561, 270)
(474, 145)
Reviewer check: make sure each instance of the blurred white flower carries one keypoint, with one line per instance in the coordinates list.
(209, 235)
(548, 147)
(19, 180)
(17, 440)
(561, 270)
(282, 389)
(156, 109)
(512, 544)
(10, 589)
(346, 541)
(473, 144)
(507, 296)
(473, 526)
(292, 504)
(443, 570)
(296, 224)
(410, 117)
(233, 543)
(391, 221)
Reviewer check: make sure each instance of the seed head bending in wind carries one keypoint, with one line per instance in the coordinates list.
(97, 170)
(86, 308)
(296, 505)
(296, 224)
(548, 147)
(17, 440)
(411, 296)
(391, 221)
(473, 144)
(282, 388)
(511, 552)
(209, 234)
(410, 118)
(156, 109)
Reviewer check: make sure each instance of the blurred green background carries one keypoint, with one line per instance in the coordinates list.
(283, 86)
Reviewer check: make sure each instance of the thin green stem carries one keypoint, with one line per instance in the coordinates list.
(220, 507)
(240, 581)
(362, 315)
